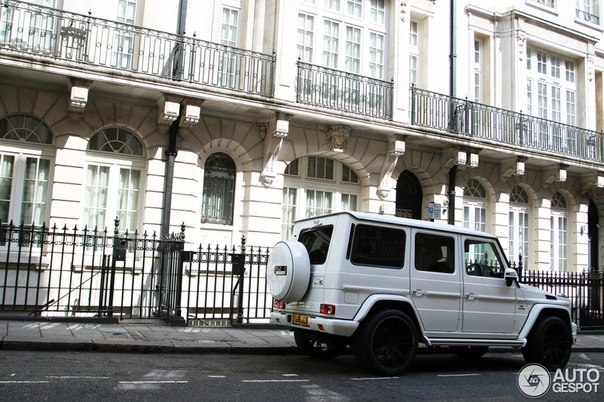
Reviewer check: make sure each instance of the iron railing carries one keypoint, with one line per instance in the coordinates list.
(92, 42)
(476, 120)
(584, 289)
(587, 16)
(345, 92)
(71, 273)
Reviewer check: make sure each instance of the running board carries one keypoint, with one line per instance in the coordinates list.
(514, 343)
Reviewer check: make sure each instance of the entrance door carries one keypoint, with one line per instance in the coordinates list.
(408, 196)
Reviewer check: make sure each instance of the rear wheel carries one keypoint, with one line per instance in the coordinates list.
(387, 343)
(318, 346)
(549, 344)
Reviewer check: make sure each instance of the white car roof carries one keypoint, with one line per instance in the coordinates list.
(394, 220)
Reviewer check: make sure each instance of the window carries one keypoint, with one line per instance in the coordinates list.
(317, 185)
(551, 87)
(306, 29)
(518, 224)
(559, 233)
(346, 35)
(123, 40)
(218, 189)
(475, 201)
(434, 253)
(413, 52)
(316, 241)
(114, 179)
(482, 259)
(229, 36)
(378, 246)
(25, 169)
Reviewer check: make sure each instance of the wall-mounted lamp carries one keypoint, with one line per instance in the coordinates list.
(397, 148)
(170, 112)
(561, 174)
(191, 116)
(473, 160)
(462, 157)
(520, 168)
(282, 128)
(78, 98)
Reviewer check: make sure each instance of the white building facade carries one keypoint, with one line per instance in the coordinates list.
(237, 117)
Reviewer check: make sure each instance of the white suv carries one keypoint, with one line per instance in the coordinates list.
(383, 284)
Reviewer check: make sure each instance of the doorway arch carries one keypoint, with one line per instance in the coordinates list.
(409, 196)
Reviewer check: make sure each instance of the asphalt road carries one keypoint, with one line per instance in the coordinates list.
(81, 376)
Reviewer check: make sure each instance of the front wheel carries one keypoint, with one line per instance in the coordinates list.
(387, 343)
(549, 344)
(318, 346)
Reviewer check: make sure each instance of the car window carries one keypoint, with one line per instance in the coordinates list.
(379, 246)
(434, 253)
(482, 259)
(316, 241)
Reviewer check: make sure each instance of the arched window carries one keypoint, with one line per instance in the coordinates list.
(475, 205)
(315, 185)
(559, 233)
(218, 189)
(25, 169)
(114, 178)
(518, 224)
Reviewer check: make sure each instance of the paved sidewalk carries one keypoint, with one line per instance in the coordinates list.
(157, 337)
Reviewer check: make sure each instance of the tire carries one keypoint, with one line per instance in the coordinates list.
(318, 346)
(470, 352)
(387, 343)
(288, 271)
(549, 344)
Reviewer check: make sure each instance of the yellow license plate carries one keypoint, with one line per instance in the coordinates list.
(300, 320)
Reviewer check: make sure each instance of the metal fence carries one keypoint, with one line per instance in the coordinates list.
(585, 290)
(484, 122)
(71, 273)
(92, 42)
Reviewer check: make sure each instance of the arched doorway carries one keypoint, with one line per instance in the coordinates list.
(593, 220)
(409, 196)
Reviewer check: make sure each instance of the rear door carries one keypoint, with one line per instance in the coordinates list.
(435, 287)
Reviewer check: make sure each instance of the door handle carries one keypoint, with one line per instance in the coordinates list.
(418, 292)
(471, 296)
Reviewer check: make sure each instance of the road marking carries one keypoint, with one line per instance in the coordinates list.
(268, 381)
(459, 375)
(217, 376)
(584, 356)
(373, 378)
(290, 375)
(24, 382)
(154, 382)
(77, 377)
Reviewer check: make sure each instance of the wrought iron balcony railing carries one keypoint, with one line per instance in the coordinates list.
(475, 120)
(342, 91)
(589, 17)
(98, 43)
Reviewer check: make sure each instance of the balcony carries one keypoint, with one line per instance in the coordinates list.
(486, 123)
(587, 16)
(345, 92)
(98, 44)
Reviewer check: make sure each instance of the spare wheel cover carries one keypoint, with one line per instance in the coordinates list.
(288, 271)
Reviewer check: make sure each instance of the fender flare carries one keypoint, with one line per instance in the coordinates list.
(534, 314)
(372, 300)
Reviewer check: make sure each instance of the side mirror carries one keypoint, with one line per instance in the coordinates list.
(510, 276)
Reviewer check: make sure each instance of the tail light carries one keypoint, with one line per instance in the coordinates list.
(328, 309)
(279, 305)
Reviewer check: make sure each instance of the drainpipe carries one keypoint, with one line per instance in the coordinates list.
(452, 90)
